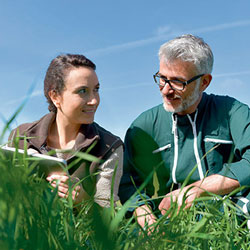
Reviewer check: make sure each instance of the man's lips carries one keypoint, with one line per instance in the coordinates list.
(172, 98)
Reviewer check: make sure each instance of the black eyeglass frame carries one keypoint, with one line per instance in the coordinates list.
(184, 83)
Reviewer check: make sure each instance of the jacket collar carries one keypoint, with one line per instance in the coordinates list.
(183, 119)
(203, 102)
(87, 135)
(39, 130)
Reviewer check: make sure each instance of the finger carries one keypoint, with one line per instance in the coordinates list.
(53, 176)
(165, 205)
(60, 188)
(75, 195)
(149, 225)
(188, 205)
(56, 184)
(163, 211)
(61, 178)
(77, 188)
(63, 189)
(62, 195)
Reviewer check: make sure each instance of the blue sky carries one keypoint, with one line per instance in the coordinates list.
(122, 38)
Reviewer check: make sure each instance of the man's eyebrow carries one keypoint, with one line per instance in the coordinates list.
(161, 75)
(174, 77)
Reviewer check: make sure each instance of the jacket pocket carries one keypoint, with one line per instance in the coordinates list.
(218, 141)
(163, 148)
(218, 151)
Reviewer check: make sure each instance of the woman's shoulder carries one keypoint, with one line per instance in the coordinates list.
(20, 131)
(107, 137)
(24, 129)
(106, 133)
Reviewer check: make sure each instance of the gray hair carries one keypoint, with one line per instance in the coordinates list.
(189, 48)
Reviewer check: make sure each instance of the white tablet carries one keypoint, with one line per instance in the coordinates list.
(44, 164)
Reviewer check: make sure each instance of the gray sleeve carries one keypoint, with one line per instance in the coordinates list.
(104, 178)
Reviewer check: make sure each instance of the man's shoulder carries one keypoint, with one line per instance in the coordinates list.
(152, 119)
(151, 114)
(225, 102)
(222, 98)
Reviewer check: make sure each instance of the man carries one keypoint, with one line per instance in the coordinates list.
(192, 130)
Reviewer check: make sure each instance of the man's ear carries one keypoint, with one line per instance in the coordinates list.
(55, 98)
(205, 81)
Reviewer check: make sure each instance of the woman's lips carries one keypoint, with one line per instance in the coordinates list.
(91, 111)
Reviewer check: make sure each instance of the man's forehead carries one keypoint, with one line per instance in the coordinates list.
(177, 65)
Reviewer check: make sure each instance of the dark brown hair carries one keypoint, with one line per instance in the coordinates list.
(57, 72)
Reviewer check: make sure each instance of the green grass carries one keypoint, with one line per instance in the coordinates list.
(32, 216)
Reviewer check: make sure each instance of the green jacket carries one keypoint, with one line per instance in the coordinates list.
(173, 145)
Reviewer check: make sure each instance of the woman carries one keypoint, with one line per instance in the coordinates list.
(71, 87)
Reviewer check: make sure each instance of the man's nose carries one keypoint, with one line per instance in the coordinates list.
(167, 89)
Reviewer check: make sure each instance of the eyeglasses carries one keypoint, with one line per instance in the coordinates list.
(161, 81)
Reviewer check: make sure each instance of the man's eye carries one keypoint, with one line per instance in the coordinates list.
(176, 81)
(163, 79)
(97, 89)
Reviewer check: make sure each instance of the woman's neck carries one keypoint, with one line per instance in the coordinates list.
(62, 134)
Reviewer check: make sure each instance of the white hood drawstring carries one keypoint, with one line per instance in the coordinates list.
(175, 132)
(196, 152)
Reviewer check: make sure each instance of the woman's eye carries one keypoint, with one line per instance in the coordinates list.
(82, 91)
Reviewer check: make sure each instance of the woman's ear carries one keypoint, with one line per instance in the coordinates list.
(205, 81)
(55, 98)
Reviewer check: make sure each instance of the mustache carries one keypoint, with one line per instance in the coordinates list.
(172, 96)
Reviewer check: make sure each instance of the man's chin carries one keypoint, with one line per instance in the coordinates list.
(172, 109)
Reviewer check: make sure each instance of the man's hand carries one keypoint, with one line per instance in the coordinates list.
(216, 184)
(180, 197)
(63, 187)
(145, 218)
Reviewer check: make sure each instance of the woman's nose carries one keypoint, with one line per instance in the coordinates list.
(93, 99)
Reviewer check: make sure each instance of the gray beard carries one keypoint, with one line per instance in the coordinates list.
(189, 101)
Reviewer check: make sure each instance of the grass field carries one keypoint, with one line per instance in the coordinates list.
(32, 216)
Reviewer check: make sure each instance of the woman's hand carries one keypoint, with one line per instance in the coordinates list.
(62, 182)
